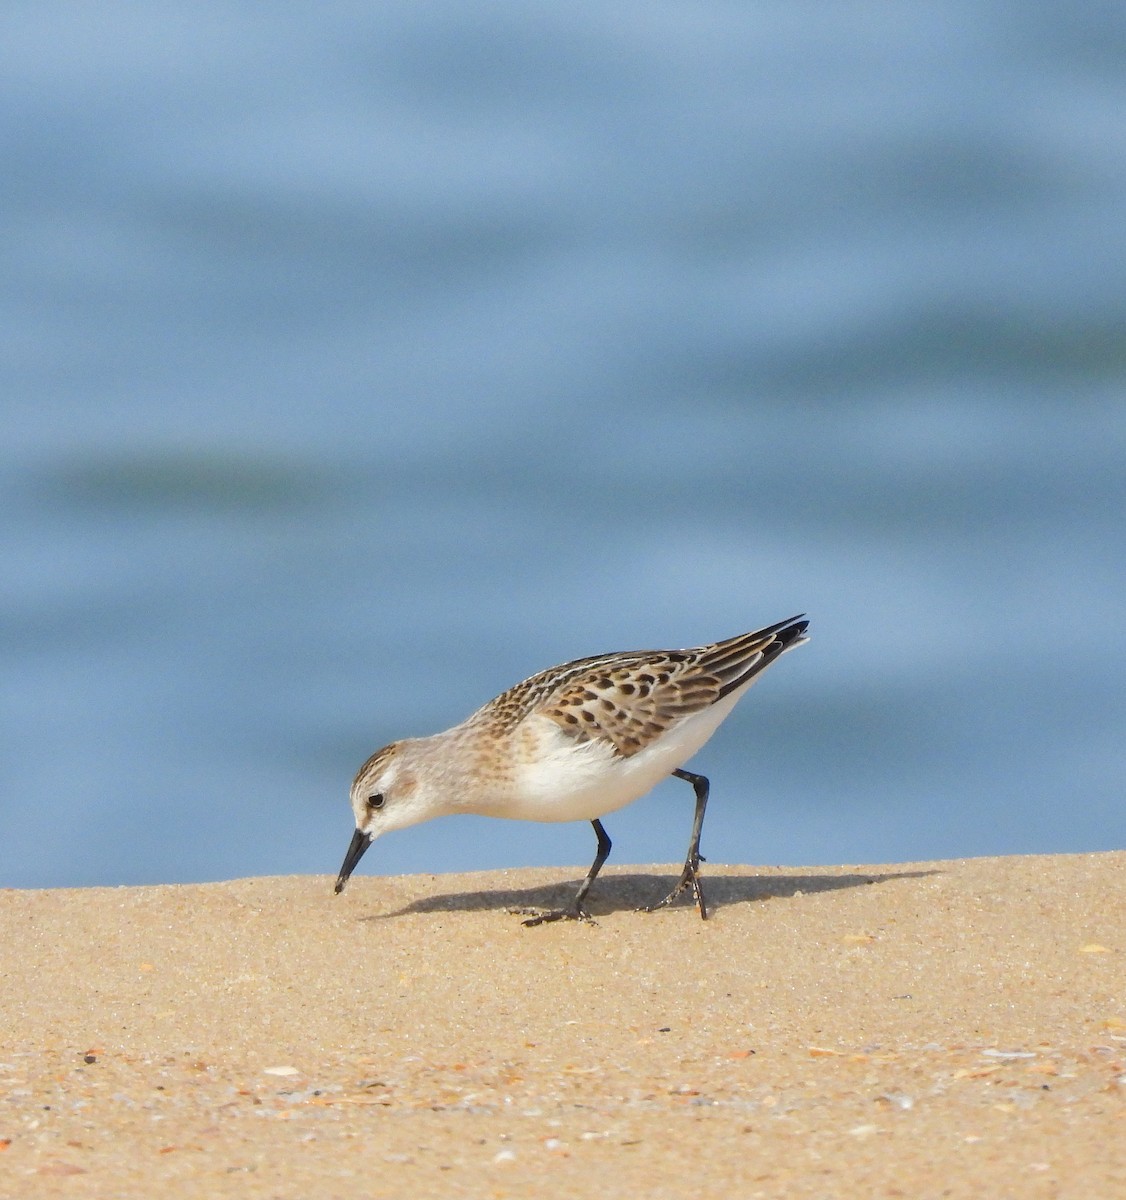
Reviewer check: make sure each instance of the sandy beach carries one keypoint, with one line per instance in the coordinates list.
(923, 1029)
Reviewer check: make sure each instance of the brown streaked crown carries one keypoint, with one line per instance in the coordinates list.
(377, 760)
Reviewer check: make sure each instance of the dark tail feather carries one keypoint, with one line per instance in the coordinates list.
(743, 657)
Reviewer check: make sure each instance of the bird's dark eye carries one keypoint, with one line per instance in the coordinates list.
(375, 800)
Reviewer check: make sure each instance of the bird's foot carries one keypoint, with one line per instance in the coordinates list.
(560, 914)
(689, 878)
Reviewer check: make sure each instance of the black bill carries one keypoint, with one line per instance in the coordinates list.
(360, 842)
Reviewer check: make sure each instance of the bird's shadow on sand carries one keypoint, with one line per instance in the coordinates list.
(627, 893)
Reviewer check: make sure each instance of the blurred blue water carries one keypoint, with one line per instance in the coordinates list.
(357, 362)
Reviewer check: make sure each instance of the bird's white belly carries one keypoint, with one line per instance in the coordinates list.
(577, 781)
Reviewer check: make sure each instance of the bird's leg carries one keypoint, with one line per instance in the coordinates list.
(600, 856)
(690, 876)
(578, 913)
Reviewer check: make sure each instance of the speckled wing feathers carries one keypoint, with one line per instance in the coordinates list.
(631, 698)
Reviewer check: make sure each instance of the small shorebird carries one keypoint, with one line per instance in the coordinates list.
(572, 743)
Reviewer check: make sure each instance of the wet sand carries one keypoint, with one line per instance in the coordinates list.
(925, 1029)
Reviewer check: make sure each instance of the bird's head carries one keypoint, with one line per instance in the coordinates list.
(386, 795)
